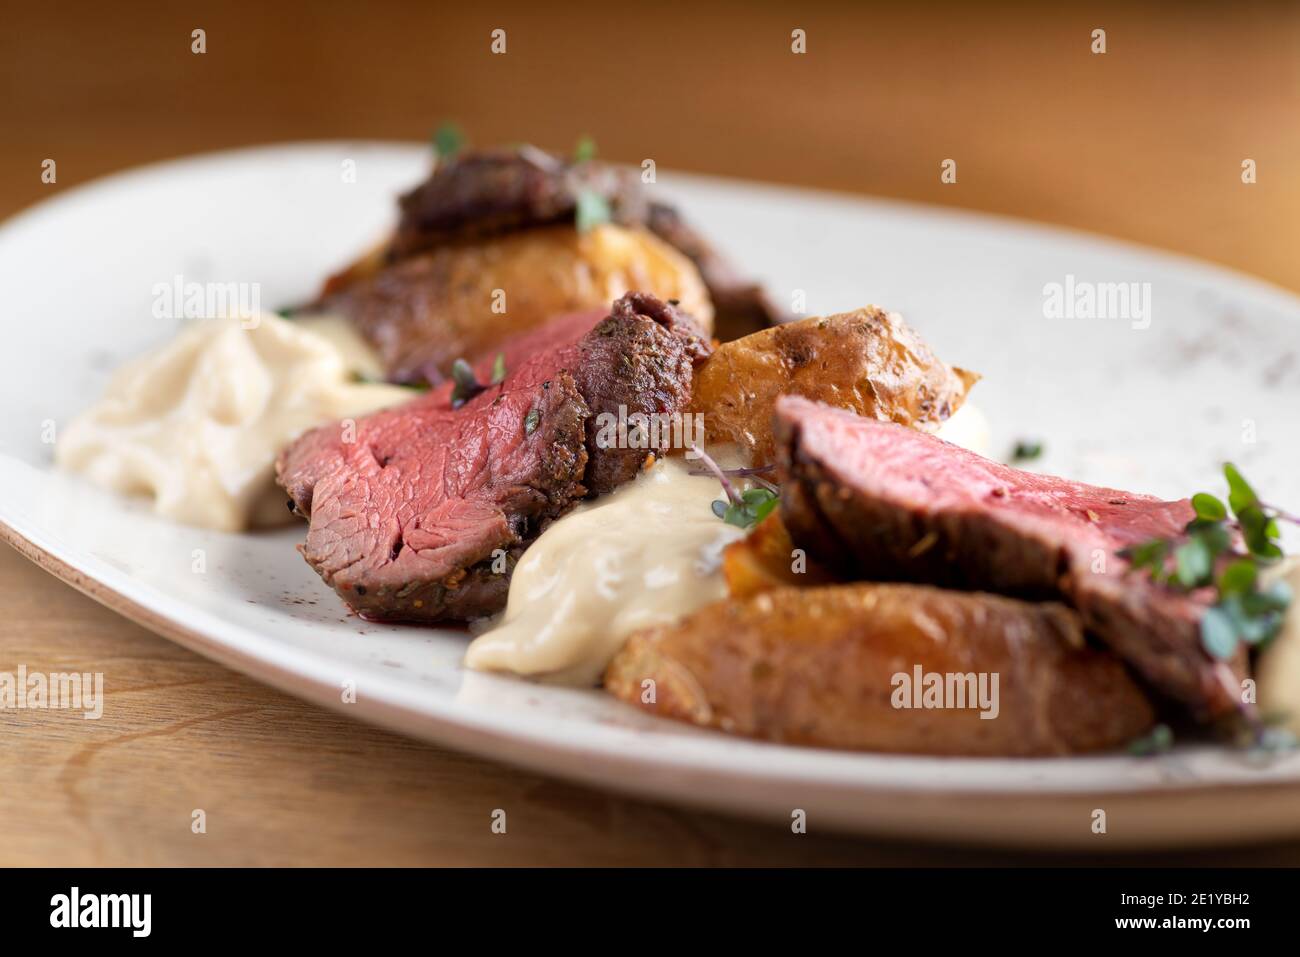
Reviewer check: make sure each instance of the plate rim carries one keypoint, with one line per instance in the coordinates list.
(447, 727)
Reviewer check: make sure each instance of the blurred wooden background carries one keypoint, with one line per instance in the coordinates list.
(1144, 142)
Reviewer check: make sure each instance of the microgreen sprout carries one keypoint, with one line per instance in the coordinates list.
(591, 210)
(746, 508)
(1026, 450)
(585, 150)
(1226, 554)
(1159, 740)
(448, 140)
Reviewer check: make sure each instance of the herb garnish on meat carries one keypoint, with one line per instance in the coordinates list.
(585, 150)
(467, 385)
(1209, 553)
(591, 210)
(448, 140)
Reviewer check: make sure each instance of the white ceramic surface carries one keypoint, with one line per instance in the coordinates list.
(1154, 409)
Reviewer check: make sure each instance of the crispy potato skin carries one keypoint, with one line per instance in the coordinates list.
(868, 361)
(814, 666)
(426, 311)
(764, 559)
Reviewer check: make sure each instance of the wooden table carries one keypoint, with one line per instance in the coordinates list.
(1144, 142)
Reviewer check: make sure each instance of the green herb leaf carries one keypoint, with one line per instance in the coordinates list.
(448, 140)
(1208, 507)
(466, 383)
(1240, 494)
(1258, 530)
(531, 421)
(1218, 633)
(1238, 578)
(592, 211)
(1026, 450)
(740, 508)
(738, 515)
(1214, 535)
(1277, 597)
(1149, 555)
(499, 368)
(420, 386)
(463, 373)
(764, 509)
(585, 150)
(1193, 563)
(1159, 740)
(751, 507)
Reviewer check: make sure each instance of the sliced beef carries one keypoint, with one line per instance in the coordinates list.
(640, 360)
(488, 192)
(620, 360)
(417, 513)
(879, 501)
(481, 194)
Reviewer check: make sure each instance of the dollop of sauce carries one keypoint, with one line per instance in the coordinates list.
(196, 424)
(645, 554)
(969, 428)
(1278, 669)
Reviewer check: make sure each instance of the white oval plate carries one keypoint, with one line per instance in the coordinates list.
(1153, 403)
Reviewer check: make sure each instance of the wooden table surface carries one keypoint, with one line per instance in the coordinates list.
(1145, 142)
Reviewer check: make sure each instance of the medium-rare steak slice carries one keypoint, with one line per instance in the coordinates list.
(878, 501)
(626, 361)
(407, 506)
(416, 513)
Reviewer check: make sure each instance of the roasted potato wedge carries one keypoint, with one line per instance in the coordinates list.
(817, 666)
(868, 361)
(425, 311)
(766, 559)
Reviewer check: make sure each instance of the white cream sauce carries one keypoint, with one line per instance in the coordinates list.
(969, 428)
(645, 554)
(196, 424)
